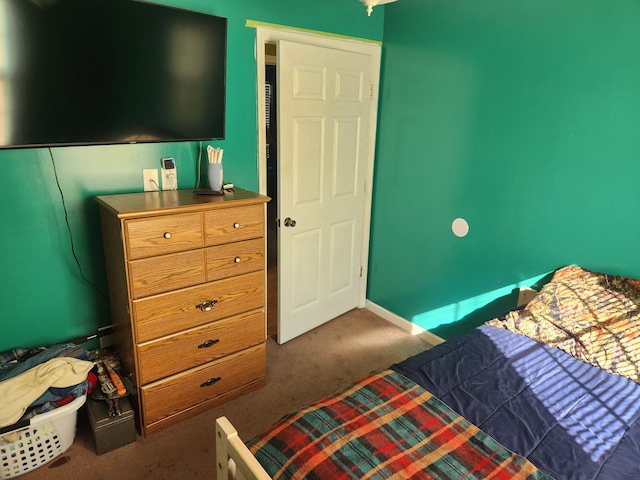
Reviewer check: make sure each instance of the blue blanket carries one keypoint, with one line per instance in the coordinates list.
(570, 419)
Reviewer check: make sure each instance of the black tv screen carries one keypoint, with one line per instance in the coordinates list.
(84, 72)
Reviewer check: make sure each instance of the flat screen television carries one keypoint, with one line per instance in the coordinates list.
(86, 72)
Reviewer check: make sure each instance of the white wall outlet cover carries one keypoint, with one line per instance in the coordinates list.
(150, 180)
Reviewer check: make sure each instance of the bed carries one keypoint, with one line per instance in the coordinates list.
(547, 391)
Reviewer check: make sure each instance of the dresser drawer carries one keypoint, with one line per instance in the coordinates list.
(168, 313)
(149, 276)
(167, 355)
(235, 258)
(188, 389)
(233, 224)
(147, 237)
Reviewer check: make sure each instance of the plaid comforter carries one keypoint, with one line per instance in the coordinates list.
(384, 426)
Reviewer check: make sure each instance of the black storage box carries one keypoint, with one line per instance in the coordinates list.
(110, 433)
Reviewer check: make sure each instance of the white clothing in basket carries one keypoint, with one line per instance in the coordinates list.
(19, 392)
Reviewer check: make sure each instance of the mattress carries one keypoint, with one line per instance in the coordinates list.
(570, 419)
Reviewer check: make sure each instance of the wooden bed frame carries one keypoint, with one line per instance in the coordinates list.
(234, 461)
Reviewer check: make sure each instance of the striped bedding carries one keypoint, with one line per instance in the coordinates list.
(574, 421)
(592, 316)
(384, 426)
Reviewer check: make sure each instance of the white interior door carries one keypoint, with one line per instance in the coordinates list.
(324, 110)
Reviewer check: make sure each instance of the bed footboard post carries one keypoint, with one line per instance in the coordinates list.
(234, 461)
(223, 430)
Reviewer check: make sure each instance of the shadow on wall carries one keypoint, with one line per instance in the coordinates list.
(452, 320)
(93, 237)
(498, 307)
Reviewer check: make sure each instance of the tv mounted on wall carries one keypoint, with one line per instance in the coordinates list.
(87, 72)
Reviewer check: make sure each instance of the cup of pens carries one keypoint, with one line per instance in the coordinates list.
(215, 168)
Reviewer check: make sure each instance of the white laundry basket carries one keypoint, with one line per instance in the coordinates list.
(47, 436)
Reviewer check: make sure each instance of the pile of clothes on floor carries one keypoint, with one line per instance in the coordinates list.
(34, 381)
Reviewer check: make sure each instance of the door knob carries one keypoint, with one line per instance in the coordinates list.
(288, 222)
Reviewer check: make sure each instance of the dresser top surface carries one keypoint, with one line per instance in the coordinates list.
(126, 205)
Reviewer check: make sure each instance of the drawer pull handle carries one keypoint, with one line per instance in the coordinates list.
(236, 225)
(209, 343)
(210, 382)
(167, 235)
(237, 260)
(207, 305)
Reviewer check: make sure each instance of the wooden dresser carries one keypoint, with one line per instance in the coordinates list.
(186, 280)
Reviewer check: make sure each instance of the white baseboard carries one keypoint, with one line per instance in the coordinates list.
(404, 324)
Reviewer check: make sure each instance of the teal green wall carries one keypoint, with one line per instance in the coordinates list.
(521, 117)
(524, 119)
(44, 298)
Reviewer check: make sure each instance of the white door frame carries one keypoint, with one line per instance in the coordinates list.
(265, 35)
